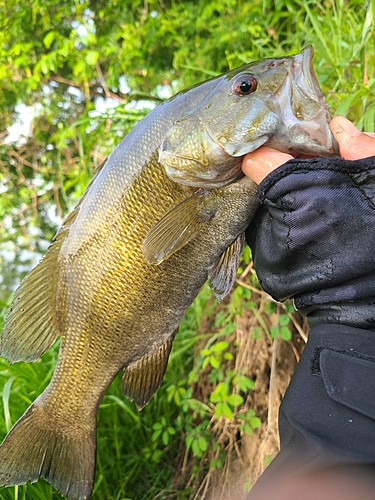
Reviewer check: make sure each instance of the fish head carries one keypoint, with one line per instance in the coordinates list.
(275, 102)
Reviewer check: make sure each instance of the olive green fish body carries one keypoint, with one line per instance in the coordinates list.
(126, 307)
(165, 212)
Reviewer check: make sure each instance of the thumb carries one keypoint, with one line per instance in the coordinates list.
(353, 143)
(262, 161)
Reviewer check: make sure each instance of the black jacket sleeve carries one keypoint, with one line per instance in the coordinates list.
(313, 240)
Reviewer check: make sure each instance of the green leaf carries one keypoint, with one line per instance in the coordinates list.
(227, 410)
(247, 428)
(205, 352)
(345, 105)
(202, 443)
(219, 410)
(285, 333)
(156, 456)
(369, 119)
(216, 397)
(196, 449)
(255, 422)
(284, 320)
(220, 346)
(189, 441)
(170, 392)
(222, 389)
(244, 383)
(177, 396)
(235, 399)
(49, 38)
(274, 331)
(216, 463)
(91, 57)
(165, 438)
(229, 329)
(156, 434)
(289, 306)
(204, 365)
(44, 66)
(214, 362)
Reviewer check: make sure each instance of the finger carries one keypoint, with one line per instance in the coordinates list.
(353, 143)
(262, 161)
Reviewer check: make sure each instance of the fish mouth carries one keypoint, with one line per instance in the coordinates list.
(305, 78)
(309, 106)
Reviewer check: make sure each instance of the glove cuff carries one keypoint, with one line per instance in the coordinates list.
(361, 172)
(358, 313)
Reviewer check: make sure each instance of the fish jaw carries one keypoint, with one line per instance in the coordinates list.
(304, 111)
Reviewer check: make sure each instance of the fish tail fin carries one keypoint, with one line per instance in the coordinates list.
(34, 449)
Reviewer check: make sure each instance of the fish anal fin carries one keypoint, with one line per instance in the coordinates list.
(223, 274)
(30, 326)
(176, 228)
(142, 378)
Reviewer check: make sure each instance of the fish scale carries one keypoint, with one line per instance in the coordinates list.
(166, 211)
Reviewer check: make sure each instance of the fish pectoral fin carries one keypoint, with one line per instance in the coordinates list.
(142, 378)
(30, 326)
(222, 275)
(177, 228)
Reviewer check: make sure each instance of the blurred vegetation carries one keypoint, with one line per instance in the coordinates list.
(86, 72)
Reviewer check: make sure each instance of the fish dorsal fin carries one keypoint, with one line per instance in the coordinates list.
(30, 326)
(176, 228)
(142, 378)
(223, 274)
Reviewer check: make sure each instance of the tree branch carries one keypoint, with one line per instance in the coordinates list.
(119, 97)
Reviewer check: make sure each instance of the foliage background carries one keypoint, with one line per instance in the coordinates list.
(85, 72)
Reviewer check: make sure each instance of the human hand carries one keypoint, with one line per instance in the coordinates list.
(313, 236)
(312, 240)
(353, 146)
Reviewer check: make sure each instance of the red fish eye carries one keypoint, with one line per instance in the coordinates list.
(244, 85)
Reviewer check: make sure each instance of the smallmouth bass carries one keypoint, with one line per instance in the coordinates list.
(165, 212)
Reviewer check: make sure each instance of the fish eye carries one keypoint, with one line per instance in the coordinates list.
(244, 85)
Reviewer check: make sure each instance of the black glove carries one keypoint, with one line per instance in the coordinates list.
(313, 240)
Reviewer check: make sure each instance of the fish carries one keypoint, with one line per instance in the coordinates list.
(164, 213)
